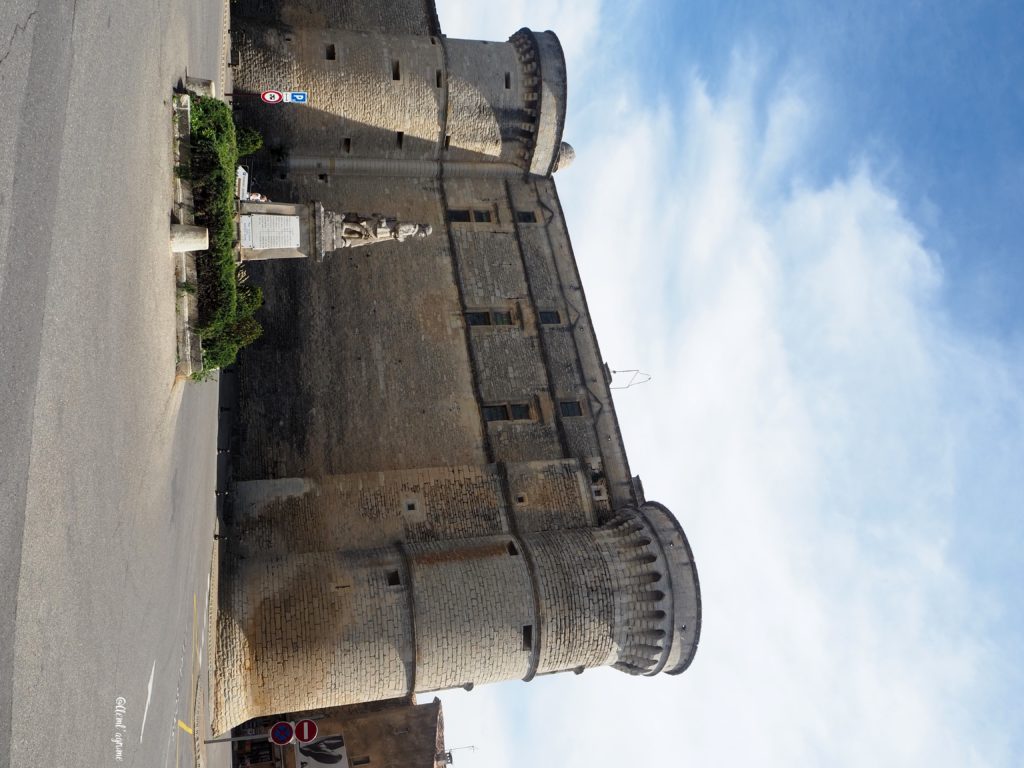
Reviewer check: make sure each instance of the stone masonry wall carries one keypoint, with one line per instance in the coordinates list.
(312, 630)
(471, 605)
(403, 17)
(576, 600)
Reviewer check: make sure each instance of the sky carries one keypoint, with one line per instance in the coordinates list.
(805, 221)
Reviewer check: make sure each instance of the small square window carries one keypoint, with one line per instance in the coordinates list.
(549, 317)
(570, 408)
(481, 216)
(512, 550)
(410, 506)
(526, 217)
(521, 499)
(520, 411)
(501, 318)
(478, 318)
(330, 53)
(458, 215)
(394, 579)
(496, 412)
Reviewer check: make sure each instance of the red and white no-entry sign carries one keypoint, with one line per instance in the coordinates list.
(281, 733)
(305, 731)
(272, 97)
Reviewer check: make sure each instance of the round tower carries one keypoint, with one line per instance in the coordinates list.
(325, 629)
(404, 98)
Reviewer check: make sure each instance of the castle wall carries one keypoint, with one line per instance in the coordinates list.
(402, 17)
(472, 602)
(312, 630)
(297, 515)
(575, 598)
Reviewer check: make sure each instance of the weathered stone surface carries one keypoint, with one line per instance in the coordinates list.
(432, 487)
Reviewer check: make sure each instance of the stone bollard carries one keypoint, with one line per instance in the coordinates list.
(188, 238)
(202, 87)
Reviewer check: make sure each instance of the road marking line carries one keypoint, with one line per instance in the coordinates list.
(185, 728)
(149, 695)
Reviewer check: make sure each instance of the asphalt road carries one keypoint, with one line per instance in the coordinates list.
(107, 466)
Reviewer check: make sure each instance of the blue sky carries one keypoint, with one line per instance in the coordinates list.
(819, 267)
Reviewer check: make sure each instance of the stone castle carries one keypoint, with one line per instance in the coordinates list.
(430, 485)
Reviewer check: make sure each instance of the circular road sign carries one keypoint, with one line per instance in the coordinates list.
(272, 97)
(282, 732)
(305, 731)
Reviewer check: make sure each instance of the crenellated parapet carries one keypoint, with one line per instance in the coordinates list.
(657, 594)
(544, 90)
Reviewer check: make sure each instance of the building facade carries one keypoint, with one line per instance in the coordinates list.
(397, 733)
(431, 488)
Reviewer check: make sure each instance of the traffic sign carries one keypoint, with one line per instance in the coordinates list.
(305, 731)
(282, 733)
(272, 97)
(297, 97)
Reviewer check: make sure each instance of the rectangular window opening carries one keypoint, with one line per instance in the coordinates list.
(346, 144)
(521, 499)
(496, 412)
(438, 76)
(478, 318)
(330, 53)
(447, 141)
(400, 136)
(512, 549)
(527, 639)
(508, 80)
(526, 217)
(410, 506)
(361, 761)
(458, 215)
(501, 318)
(481, 216)
(520, 411)
(549, 317)
(396, 70)
(570, 408)
(394, 579)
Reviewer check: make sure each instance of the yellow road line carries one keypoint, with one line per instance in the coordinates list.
(184, 727)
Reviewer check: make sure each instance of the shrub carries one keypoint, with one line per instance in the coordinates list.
(226, 313)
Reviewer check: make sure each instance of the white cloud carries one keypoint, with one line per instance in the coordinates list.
(822, 429)
(575, 22)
